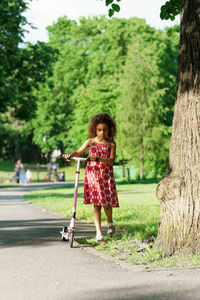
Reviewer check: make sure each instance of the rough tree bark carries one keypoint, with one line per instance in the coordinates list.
(179, 191)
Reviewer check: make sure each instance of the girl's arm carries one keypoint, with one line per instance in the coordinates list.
(111, 159)
(80, 150)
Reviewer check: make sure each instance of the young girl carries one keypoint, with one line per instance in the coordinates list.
(99, 185)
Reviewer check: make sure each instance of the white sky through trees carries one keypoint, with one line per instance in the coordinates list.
(43, 13)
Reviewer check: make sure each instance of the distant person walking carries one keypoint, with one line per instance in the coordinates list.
(28, 176)
(61, 176)
(99, 186)
(18, 168)
(55, 171)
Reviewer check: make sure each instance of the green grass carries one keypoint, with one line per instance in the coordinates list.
(138, 213)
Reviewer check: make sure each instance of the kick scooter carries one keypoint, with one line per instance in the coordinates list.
(68, 231)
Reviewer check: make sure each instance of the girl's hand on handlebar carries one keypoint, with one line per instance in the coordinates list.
(67, 157)
(92, 158)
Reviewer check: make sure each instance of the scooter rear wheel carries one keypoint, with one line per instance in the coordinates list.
(71, 239)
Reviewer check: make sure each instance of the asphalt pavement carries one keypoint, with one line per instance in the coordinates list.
(35, 264)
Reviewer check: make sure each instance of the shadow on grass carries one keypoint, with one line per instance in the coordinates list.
(142, 232)
(133, 193)
(70, 186)
(140, 181)
(147, 231)
(6, 186)
(50, 195)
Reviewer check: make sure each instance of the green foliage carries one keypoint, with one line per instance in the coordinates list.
(173, 30)
(34, 65)
(113, 7)
(33, 68)
(22, 67)
(96, 65)
(80, 68)
(170, 9)
(11, 28)
(110, 66)
(108, 2)
(111, 12)
(116, 7)
(147, 97)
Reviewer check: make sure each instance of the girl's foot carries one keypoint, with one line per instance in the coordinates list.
(111, 228)
(100, 239)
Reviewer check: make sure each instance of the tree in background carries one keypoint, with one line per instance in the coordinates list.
(144, 91)
(11, 28)
(55, 103)
(106, 52)
(34, 65)
(139, 88)
(87, 53)
(87, 75)
(22, 67)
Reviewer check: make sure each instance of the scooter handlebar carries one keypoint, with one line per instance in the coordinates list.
(78, 158)
(75, 158)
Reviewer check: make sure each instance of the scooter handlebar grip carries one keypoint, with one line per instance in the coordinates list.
(69, 158)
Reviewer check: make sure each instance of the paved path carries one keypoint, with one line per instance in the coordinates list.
(35, 264)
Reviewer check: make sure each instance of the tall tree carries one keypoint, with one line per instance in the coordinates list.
(143, 130)
(179, 191)
(139, 87)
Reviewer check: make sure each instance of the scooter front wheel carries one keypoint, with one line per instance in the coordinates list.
(71, 239)
(64, 234)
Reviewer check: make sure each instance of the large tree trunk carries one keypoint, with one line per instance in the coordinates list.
(179, 191)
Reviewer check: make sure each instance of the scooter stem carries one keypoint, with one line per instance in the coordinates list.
(75, 195)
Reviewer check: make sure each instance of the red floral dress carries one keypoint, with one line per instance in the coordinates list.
(99, 185)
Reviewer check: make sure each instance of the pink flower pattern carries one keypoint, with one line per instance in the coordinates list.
(99, 185)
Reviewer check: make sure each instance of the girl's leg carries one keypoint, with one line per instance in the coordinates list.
(97, 219)
(108, 212)
(111, 227)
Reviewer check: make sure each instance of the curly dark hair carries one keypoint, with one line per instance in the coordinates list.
(102, 119)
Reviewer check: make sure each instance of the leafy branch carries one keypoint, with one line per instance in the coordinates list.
(170, 10)
(113, 6)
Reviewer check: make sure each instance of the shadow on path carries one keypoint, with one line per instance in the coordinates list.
(23, 224)
(143, 292)
(38, 232)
